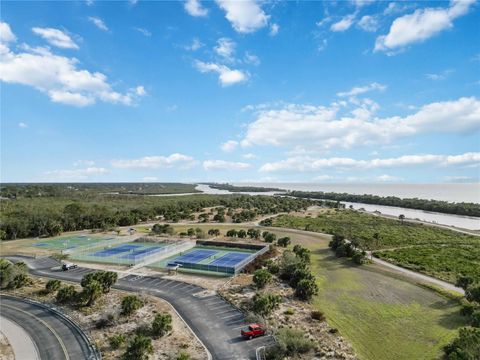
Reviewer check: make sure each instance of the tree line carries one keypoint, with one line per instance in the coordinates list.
(49, 216)
(461, 208)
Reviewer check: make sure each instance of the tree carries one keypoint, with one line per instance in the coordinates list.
(466, 346)
(232, 233)
(116, 341)
(130, 304)
(401, 217)
(191, 232)
(283, 241)
(19, 281)
(52, 285)
(214, 232)
(219, 217)
(306, 288)
(302, 253)
(270, 238)
(105, 278)
(162, 324)
(464, 282)
(139, 348)
(254, 233)
(242, 234)
(473, 293)
(91, 292)
(265, 304)
(261, 278)
(66, 294)
(299, 274)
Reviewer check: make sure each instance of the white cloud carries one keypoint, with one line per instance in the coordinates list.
(88, 163)
(59, 77)
(368, 23)
(305, 163)
(344, 24)
(99, 23)
(245, 16)
(274, 28)
(322, 127)
(225, 48)
(194, 45)
(361, 3)
(155, 162)
(358, 90)
(6, 34)
(229, 146)
(460, 179)
(323, 178)
(194, 8)
(252, 59)
(77, 174)
(90, 2)
(421, 25)
(440, 76)
(22, 125)
(226, 76)
(224, 165)
(143, 31)
(388, 178)
(56, 37)
(249, 156)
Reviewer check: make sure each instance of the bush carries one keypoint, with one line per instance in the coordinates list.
(283, 241)
(273, 267)
(359, 257)
(162, 324)
(91, 292)
(105, 322)
(300, 274)
(261, 278)
(306, 288)
(265, 304)
(182, 356)
(139, 348)
(66, 294)
(52, 285)
(464, 282)
(475, 319)
(473, 293)
(13, 276)
(269, 237)
(466, 346)
(317, 315)
(289, 312)
(293, 342)
(130, 304)
(105, 278)
(20, 281)
(254, 318)
(116, 341)
(467, 309)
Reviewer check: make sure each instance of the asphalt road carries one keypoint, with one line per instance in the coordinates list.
(55, 337)
(214, 321)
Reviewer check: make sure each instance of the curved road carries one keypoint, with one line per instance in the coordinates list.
(54, 336)
(212, 319)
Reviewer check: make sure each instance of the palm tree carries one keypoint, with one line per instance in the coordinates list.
(401, 217)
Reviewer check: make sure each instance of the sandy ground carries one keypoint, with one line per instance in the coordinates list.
(167, 347)
(6, 351)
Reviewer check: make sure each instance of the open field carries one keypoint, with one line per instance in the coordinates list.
(434, 251)
(381, 314)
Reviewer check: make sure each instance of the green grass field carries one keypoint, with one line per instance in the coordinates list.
(434, 251)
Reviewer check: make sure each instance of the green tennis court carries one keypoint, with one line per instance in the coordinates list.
(71, 242)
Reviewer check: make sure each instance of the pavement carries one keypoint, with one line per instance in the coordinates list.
(21, 343)
(212, 319)
(54, 337)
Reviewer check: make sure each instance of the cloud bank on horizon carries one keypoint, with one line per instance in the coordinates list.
(237, 90)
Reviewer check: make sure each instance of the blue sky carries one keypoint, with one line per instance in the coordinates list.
(346, 91)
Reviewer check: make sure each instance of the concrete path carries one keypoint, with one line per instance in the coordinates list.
(22, 344)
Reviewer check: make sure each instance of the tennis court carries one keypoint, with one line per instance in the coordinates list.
(70, 242)
(210, 260)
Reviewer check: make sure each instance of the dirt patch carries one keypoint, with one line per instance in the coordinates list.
(6, 351)
(109, 307)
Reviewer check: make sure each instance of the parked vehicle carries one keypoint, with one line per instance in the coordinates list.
(253, 330)
(69, 266)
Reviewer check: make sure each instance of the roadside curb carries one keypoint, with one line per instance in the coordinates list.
(94, 353)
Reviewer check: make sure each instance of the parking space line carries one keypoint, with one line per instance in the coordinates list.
(178, 284)
(229, 316)
(238, 327)
(226, 311)
(144, 279)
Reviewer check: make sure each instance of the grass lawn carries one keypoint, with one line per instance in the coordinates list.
(383, 316)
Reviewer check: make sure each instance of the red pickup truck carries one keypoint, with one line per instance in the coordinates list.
(253, 330)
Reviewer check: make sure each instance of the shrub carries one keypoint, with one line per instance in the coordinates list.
(116, 341)
(130, 304)
(273, 267)
(105, 278)
(293, 342)
(306, 288)
(475, 319)
(473, 293)
(139, 348)
(464, 282)
(232, 233)
(467, 309)
(182, 356)
(317, 315)
(466, 346)
(359, 257)
(269, 237)
(261, 278)
(283, 241)
(265, 304)
(52, 285)
(300, 274)
(20, 281)
(162, 324)
(91, 292)
(289, 312)
(66, 294)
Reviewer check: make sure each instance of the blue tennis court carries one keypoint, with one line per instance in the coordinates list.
(195, 256)
(230, 259)
(115, 250)
(142, 253)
